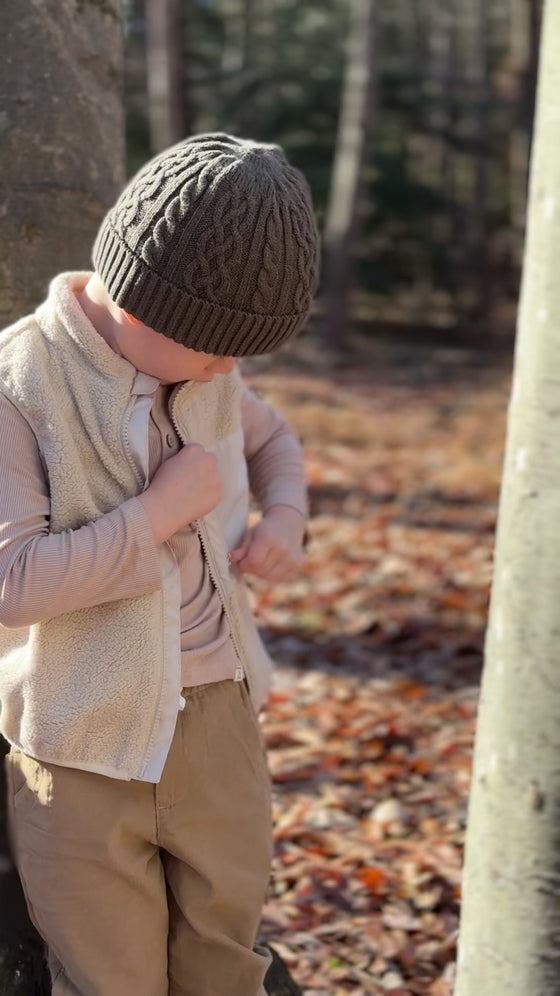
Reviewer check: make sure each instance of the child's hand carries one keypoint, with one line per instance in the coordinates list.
(185, 487)
(273, 549)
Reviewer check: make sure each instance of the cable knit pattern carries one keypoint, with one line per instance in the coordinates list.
(129, 208)
(272, 264)
(303, 260)
(213, 243)
(154, 250)
(217, 245)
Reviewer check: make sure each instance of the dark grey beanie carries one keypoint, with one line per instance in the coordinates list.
(213, 243)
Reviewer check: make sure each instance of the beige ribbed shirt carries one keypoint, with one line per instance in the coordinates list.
(45, 574)
(207, 651)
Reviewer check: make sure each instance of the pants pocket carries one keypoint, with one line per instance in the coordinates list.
(29, 782)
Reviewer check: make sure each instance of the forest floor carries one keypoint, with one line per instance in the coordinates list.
(379, 651)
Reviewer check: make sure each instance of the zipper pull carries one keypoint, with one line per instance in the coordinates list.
(239, 673)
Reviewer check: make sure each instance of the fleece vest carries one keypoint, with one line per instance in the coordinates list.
(98, 688)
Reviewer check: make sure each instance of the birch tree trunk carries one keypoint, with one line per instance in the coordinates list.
(510, 931)
(341, 227)
(164, 58)
(62, 140)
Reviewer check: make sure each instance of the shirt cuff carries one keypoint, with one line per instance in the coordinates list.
(298, 502)
(138, 523)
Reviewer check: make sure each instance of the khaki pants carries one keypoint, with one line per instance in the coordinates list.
(152, 890)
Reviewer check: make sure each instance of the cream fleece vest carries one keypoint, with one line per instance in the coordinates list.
(98, 688)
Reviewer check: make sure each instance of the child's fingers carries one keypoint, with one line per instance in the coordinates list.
(283, 568)
(283, 572)
(266, 557)
(268, 563)
(275, 565)
(257, 552)
(241, 551)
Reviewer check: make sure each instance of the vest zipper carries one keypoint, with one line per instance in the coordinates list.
(142, 484)
(201, 531)
(126, 443)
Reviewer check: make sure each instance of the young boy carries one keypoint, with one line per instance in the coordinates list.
(131, 670)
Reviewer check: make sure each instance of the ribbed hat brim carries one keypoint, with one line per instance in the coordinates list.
(191, 321)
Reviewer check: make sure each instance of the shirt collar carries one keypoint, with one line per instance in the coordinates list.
(144, 384)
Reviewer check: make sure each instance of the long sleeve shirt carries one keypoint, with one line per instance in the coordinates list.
(45, 574)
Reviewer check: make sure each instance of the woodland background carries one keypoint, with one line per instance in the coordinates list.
(412, 120)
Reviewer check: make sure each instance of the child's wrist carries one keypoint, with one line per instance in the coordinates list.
(289, 518)
(154, 518)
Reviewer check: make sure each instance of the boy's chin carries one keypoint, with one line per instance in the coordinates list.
(185, 380)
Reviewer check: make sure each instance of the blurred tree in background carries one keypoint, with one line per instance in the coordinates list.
(62, 163)
(438, 214)
(343, 222)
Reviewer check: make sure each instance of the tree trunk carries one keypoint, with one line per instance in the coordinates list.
(478, 80)
(511, 913)
(62, 148)
(232, 48)
(439, 39)
(341, 228)
(248, 44)
(524, 44)
(61, 167)
(479, 77)
(247, 28)
(451, 165)
(164, 57)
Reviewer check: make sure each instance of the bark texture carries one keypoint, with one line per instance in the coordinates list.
(510, 931)
(61, 140)
(62, 164)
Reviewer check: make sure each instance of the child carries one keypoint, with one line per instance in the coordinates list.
(131, 669)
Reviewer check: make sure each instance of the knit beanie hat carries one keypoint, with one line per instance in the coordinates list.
(213, 243)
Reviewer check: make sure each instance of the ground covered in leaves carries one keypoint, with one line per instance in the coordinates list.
(379, 648)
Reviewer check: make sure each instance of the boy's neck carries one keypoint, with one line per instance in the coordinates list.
(148, 351)
(101, 311)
